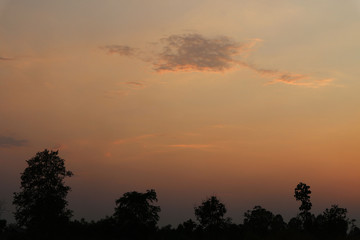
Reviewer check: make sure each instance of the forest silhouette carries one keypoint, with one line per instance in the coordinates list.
(42, 213)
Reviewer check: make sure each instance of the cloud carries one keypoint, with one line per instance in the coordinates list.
(194, 52)
(288, 77)
(122, 50)
(5, 59)
(11, 142)
(134, 85)
(134, 139)
(116, 93)
(125, 90)
(191, 146)
(190, 52)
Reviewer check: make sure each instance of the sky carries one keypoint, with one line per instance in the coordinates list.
(240, 99)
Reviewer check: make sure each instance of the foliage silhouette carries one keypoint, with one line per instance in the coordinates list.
(135, 214)
(2, 225)
(295, 224)
(41, 208)
(188, 226)
(258, 220)
(261, 221)
(211, 213)
(334, 221)
(41, 204)
(278, 224)
(302, 193)
(2, 221)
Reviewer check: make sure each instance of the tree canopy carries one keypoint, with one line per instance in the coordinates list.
(259, 219)
(135, 212)
(211, 213)
(302, 193)
(334, 221)
(41, 202)
(42, 213)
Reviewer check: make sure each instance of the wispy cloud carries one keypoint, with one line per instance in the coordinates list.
(125, 89)
(191, 146)
(5, 59)
(194, 52)
(288, 77)
(134, 139)
(122, 50)
(135, 85)
(116, 93)
(6, 141)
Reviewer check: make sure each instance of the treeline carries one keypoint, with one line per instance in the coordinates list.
(42, 213)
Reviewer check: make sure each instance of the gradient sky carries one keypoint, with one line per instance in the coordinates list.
(238, 98)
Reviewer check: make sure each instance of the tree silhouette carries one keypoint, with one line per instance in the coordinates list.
(334, 221)
(258, 220)
(41, 203)
(188, 226)
(135, 214)
(2, 221)
(278, 224)
(211, 213)
(302, 193)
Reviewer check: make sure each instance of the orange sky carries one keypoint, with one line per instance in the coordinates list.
(243, 99)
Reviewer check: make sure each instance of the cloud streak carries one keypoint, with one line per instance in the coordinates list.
(122, 50)
(135, 85)
(191, 146)
(194, 52)
(5, 59)
(134, 139)
(6, 142)
(288, 77)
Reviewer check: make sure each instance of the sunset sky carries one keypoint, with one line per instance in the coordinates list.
(239, 98)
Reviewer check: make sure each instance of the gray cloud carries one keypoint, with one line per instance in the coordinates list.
(195, 52)
(5, 59)
(122, 50)
(6, 141)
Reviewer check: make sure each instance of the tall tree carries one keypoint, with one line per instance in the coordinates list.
(41, 203)
(135, 214)
(302, 193)
(211, 213)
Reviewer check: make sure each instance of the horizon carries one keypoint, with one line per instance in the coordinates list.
(188, 98)
(162, 223)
